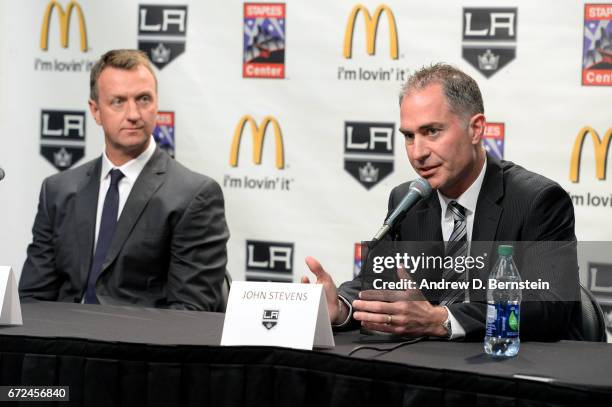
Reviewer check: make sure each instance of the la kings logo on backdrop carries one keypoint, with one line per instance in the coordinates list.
(62, 137)
(269, 261)
(489, 38)
(161, 32)
(368, 151)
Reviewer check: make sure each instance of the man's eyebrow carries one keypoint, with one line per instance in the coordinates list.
(429, 125)
(422, 127)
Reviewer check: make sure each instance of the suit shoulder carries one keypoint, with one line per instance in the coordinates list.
(71, 178)
(191, 179)
(524, 183)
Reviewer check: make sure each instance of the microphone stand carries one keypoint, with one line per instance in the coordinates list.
(418, 189)
(381, 337)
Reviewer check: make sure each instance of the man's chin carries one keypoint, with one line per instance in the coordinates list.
(132, 146)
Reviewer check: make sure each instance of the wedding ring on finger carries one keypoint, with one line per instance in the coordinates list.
(389, 319)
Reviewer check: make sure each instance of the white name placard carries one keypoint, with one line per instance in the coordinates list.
(9, 298)
(277, 314)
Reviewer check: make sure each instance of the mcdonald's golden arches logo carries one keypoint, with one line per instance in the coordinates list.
(371, 26)
(601, 148)
(64, 24)
(258, 133)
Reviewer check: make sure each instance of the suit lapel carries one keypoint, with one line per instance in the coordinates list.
(149, 180)
(428, 221)
(86, 206)
(488, 212)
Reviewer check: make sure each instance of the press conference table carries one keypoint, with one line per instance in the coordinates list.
(124, 356)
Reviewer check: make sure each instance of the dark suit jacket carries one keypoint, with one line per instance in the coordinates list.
(168, 250)
(514, 205)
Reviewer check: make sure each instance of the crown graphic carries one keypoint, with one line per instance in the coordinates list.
(368, 173)
(488, 61)
(160, 54)
(62, 158)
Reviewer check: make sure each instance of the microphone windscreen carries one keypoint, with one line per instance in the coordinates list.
(422, 187)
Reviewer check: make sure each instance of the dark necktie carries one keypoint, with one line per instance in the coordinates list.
(457, 247)
(108, 222)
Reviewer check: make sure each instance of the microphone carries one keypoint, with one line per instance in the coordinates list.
(418, 190)
(1, 174)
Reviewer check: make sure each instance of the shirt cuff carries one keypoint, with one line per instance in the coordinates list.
(457, 331)
(348, 317)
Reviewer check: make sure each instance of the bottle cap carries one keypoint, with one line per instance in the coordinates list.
(505, 250)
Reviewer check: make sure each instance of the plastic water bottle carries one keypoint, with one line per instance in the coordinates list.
(503, 307)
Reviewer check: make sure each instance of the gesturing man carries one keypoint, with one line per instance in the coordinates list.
(477, 198)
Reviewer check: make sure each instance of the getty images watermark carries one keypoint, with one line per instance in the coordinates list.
(549, 270)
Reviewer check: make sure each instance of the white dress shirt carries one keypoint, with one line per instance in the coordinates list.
(131, 170)
(468, 200)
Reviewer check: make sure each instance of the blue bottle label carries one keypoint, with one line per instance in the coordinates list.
(503, 320)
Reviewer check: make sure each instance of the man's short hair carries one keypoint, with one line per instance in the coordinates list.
(461, 90)
(127, 59)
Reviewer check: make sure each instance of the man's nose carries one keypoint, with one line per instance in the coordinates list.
(420, 148)
(133, 112)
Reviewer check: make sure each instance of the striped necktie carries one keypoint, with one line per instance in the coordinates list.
(457, 247)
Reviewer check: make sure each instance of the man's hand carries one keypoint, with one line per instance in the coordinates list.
(401, 316)
(337, 310)
(404, 313)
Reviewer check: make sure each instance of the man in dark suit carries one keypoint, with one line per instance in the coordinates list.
(132, 226)
(478, 198)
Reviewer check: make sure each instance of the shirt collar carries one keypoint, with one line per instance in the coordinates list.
(469, 198)
(132, 168)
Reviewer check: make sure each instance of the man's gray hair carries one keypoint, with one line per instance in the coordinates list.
(461, 90)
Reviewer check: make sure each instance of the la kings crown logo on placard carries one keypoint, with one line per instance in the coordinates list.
(270, 318)
(161, 32)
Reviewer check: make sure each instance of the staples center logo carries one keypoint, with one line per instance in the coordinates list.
(163, 133)
(264, 40)
(371, 27)
(258, 133)
(64, 24)
(493, 139)
(601, 150)
(597, 45)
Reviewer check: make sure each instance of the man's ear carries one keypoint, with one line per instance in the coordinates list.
(477, 126)
(95, 111)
